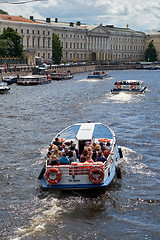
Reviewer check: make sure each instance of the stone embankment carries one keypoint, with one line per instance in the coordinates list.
(25, 70)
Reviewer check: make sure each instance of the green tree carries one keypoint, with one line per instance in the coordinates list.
(56, 48)
(3, 12)
(151, 53)
(16, 49)
(6, 47)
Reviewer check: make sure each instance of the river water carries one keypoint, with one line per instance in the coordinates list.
(30, 117)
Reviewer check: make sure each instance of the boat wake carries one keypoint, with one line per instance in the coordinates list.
(123, 97)
(90, 80)
(40, 220)
(132, 163)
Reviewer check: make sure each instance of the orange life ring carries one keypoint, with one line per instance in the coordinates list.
(133, 87)
(57, 177)
(94, 179)
(118, 86)
(62, 140)
(100, 140)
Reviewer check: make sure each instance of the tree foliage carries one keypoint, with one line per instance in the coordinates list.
(3, 12)
(151, 53)
(6, 47)
(56, 48)
(14, 49)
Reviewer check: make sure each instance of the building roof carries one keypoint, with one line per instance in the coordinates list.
(11, 18)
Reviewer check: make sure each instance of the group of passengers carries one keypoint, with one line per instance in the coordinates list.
(126, 83)
(95, 153)
(64, 153)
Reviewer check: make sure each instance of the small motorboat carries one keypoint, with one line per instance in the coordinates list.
(4, 87)
(61, 76)
(128, 86)
(99, 75)
(10, 79)
(78, 175)
(33, 80)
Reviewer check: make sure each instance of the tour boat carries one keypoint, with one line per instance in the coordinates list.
(33, 80)
(61, 76)
(99, 75)
(78, 175)
(4, 87)
(128, 86)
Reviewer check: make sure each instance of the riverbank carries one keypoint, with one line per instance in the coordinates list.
(25, 70)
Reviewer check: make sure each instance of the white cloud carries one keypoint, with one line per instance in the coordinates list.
(140, 15)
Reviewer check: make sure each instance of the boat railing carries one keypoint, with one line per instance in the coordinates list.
(79, 168)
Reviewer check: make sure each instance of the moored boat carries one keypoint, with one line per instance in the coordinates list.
(10, 79)
(128, 86)
(99, 75)
(84, 175)
(33, 80)
(4, 87)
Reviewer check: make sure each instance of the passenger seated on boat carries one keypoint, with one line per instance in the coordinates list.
(64, 159)
(70, 157)
(90, 152)
(89, 160)
(100, 157)
(95, 151)
(84, 156)
(107, 152)
(102, 146)
(57, 142)
(53, 161)
(49, 154)
(73, 150)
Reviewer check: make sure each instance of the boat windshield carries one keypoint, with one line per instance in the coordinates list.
(100, 131)
(70, 132)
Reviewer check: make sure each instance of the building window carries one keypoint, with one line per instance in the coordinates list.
(21, 30)
(27, 42)
(81, 46)
(49, 42)
(38, 44)
(66, 45)
(66, 54)
(74, 45)
(62, 34)
(43, 32)
(33, 41)
(27, 31)
(33, 31)
(48, 32)
(70, 45)
(48, 55)
(38, 32)
(44, 42)
(77, 45)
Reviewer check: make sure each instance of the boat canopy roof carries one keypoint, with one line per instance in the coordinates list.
(86, 131)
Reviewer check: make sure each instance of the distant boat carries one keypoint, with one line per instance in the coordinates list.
(33, 80)
(87, 175)
(10, 79)
(61, 76)
(128, 86)
(99, 75)
(4, 87)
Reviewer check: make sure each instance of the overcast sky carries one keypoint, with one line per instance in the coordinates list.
(140, 15)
